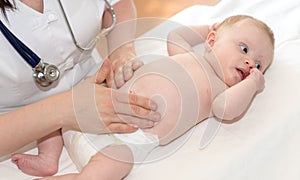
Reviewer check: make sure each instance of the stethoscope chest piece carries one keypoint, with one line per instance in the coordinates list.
(45, 74)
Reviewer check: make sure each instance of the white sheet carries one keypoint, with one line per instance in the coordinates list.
(264, 144)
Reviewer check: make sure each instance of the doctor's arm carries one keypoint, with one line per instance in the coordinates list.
(121, 49)
(27, 124)
(234, 101)
(88, 107)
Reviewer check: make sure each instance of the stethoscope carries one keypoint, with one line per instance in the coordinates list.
(45, 74)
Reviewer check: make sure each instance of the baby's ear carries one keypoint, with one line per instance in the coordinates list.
(210, 40)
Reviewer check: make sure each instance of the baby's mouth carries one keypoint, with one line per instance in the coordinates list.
(242, 72)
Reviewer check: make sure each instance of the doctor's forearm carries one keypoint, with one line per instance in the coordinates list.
(125, 29)
(25, 125)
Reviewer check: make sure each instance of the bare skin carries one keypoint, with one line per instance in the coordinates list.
(212, 88)
(120, 70)
(221, 75)
(45, 163)
(37, 5)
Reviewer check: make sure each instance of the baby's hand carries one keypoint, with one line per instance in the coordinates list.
(258, 78)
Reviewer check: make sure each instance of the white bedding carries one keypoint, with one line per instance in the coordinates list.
(264, 144)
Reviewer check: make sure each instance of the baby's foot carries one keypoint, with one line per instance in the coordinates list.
(35, 165)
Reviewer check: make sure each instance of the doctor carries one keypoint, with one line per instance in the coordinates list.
(62, 33)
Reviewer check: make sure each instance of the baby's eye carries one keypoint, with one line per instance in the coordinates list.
(244, 48)
(257, 65)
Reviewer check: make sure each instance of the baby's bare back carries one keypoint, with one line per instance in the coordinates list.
(180, 87)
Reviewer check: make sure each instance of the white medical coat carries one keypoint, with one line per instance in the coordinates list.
(48, 36)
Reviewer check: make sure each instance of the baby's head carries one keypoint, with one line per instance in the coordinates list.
(239, 44)
(228, 22)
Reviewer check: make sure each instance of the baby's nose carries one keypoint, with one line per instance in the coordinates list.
(249, 62)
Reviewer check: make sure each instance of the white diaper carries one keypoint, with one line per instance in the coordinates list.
(140, 143)
(82, 146)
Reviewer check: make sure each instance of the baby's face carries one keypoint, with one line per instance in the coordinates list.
(238, 49)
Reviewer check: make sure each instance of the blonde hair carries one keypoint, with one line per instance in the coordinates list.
(237, 18)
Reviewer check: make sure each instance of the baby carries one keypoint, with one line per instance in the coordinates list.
(188, 89)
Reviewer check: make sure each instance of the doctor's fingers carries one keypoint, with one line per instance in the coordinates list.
(121, 122)
(132, 122)
(110, 79)
(130, 67)
(135, 106)
(121, 128)
(137, 116)
(119, 77)
(126, 72)
(134, 99)
(104, 72)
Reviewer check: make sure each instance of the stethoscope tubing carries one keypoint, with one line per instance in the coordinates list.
(30, 57)
(43, 73)
(33, 59)
(103, 32)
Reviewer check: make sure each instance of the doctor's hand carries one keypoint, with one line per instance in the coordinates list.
(99, 109)
(124, 63)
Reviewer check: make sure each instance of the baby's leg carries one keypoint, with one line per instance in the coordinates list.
(46, 162)
(111, 163)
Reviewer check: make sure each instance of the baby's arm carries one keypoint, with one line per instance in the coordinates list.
(236, 99)
(181, 40)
